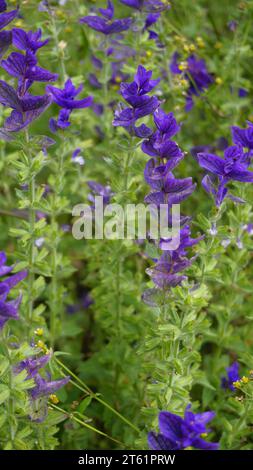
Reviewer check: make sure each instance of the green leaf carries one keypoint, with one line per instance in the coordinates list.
(84, 404)
(4, 393)
(4, 364)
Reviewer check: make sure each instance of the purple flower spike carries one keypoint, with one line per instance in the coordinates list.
(196, 74)
(28, 41)
(5, 42)
(25, 69)
(233, 167)
(243, 137)
(107, 12)
(232, 376)
(178, 433)
(32, 365)
(77, 158)
(106, 24)
(44, 388)
(3, 6)
(136, 95)
(99, 190)
(159, 144)
(65, 98)
(151, 6)
(3, 268)
(9, 309)
(6, 18)
(25, 109)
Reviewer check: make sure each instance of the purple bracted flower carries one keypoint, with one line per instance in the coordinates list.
(77, 158)
(171, 190)
(232, 25)
(178, 433)
(25, 109)
(99, 190)
(136, 95)
(167, 272)
(232, 376)
(32, 365)
(243, 137)
(159, 143)
(84, 303)
(150, 6)
(30, 41)
(196, 74)
(151, 19)
(186, 242)
(65, 98)
(42, 388)
(25, 69)
(45, 388)
(8, 310)
(5, 19)
(168, 190)
(233, 167)
(106, 24)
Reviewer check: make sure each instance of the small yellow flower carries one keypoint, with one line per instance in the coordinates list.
(204, 434)
(200, 42)
(218, 81)
(179, 38)
(18, 23)
(182, 66)
(237, 384)
(186, 48)
(53, 398)
(118, 79)
(149, 53)
(183, 82)
(192, 48)
(39, 331)
(245, 379)
(40, 344)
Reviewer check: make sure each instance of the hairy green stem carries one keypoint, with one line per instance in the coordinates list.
(32, 221)
(10, 402)
(72, 417)
(86, 389)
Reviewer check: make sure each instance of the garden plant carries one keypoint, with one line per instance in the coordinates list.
(114, 115)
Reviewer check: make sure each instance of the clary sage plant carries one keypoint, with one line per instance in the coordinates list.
(122, 342)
